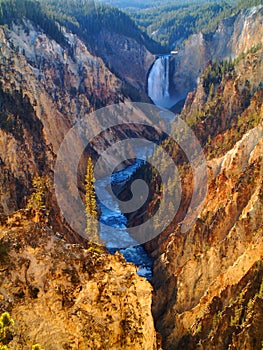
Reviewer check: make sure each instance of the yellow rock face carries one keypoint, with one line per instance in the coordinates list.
(65, 297)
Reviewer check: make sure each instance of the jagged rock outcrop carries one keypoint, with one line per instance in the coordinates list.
(63, 296)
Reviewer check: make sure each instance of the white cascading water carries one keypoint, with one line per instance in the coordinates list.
(166, 77)
(158, 82)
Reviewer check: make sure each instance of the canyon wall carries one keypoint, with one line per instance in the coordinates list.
(234, 36)
(58, 293)
(43, 91)
(208, 281)
(128, 59)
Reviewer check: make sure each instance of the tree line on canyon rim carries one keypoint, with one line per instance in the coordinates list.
(82, 18)
(171, 22)
(160, 26)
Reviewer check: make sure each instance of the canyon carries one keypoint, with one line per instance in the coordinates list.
(178, 73)
(206, 287)
(44, 89)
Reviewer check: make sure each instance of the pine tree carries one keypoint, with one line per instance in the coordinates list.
(91, 205)
(37, 200)
(211, 91)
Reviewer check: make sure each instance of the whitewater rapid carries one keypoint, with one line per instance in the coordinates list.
(112, 217)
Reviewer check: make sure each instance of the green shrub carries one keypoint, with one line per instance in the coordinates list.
(5, 323)
(36, 347)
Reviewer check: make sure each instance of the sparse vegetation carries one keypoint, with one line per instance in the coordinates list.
(37, 347)
(6, 322)
(91, 206)
(37, 200)
(253, 49)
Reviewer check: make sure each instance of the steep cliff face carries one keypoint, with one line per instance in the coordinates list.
(44, 88)
(234, 36)
(212, 258)
(65, 297)
(208, 281)
(129, 60)
(74, 298)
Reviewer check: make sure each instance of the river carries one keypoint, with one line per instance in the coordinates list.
(112, 217)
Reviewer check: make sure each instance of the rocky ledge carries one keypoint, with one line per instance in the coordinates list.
(76, 298)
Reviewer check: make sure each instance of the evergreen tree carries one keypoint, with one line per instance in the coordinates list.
(211, 91)
(37, 199)
(91, 204)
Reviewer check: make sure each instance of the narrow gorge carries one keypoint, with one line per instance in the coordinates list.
(81, 69)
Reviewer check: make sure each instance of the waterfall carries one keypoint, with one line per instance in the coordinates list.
(166, 76)
(158, 82)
